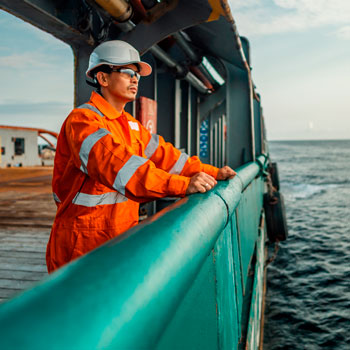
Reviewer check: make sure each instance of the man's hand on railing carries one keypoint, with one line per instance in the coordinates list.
(201, 182)
(226, 173)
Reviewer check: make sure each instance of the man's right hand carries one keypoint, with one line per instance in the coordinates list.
(201, 182)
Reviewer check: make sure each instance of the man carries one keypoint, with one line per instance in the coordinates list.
(107, 163)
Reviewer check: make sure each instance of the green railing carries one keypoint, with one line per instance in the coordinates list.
(178, 280)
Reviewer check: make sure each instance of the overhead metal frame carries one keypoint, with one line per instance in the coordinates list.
(190, 17)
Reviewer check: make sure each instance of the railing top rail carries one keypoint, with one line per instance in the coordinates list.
(107, 298)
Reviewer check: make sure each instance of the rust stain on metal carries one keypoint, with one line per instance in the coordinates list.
(226, 7)
(256, 96)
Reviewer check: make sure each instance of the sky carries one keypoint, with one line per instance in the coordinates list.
(300, 54)
(36, 73)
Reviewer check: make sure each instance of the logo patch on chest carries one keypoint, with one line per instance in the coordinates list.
(134, 126)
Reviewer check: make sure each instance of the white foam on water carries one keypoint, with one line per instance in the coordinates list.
(303, 191)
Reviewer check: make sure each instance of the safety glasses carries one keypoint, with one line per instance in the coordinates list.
(127, 71)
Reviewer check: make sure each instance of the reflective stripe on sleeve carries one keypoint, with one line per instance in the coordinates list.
(179, 165)
(92, 200)
(87, 145)
(127, 171)
(92, 108)
(55, 197)
(152, 146)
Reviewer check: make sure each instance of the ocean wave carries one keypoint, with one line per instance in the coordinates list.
(331, 180)
(303, 190)
(308, 295)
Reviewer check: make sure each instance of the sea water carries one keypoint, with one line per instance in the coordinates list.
(308, 284)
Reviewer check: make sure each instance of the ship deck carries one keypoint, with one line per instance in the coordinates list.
(26, 215)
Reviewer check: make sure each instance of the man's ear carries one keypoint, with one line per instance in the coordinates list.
(101, 78)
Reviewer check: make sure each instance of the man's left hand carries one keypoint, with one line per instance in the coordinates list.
(225, 173)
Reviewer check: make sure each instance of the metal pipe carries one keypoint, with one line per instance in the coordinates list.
(197, 61)
(120, 10)
(194, 58)
(182, 42)
(179, 69)
(196, 71)
(196, 83)
(125, 26)
(164, 57)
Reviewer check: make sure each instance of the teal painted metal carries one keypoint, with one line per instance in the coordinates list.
(249, 213)
(226, 297)
(257, 127)
(194, 324)
(238, 272)
(238, 109)
(148, 288)
(254, 331)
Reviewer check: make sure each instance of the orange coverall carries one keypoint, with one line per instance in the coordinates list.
(105, 164)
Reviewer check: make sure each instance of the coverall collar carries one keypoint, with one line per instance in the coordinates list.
(104, 107)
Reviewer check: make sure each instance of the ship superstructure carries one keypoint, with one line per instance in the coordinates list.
(191, 275)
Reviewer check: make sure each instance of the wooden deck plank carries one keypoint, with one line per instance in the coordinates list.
(15, 284)
(31, 260)
(6, 293)
(11, 244)
(22, 275)
(22, 260)
(25, 235)
(29, 239)
(24, 240)
(27, 212)
(23, 248)
(21, 254)
(24, 267)
(37, 224)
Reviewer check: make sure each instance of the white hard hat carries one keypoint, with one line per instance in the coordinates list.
(116, 53)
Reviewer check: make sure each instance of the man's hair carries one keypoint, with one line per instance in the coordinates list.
(105, 69)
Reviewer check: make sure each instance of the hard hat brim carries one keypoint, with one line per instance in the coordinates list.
(145, 68)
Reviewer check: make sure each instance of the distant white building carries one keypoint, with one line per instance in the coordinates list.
(19, 147)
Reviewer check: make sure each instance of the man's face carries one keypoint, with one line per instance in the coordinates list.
(120, 85)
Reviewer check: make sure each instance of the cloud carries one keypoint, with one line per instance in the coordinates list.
(20, 107)
(44, 37)
(26, 60)
(282, 16)
(344, 32)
